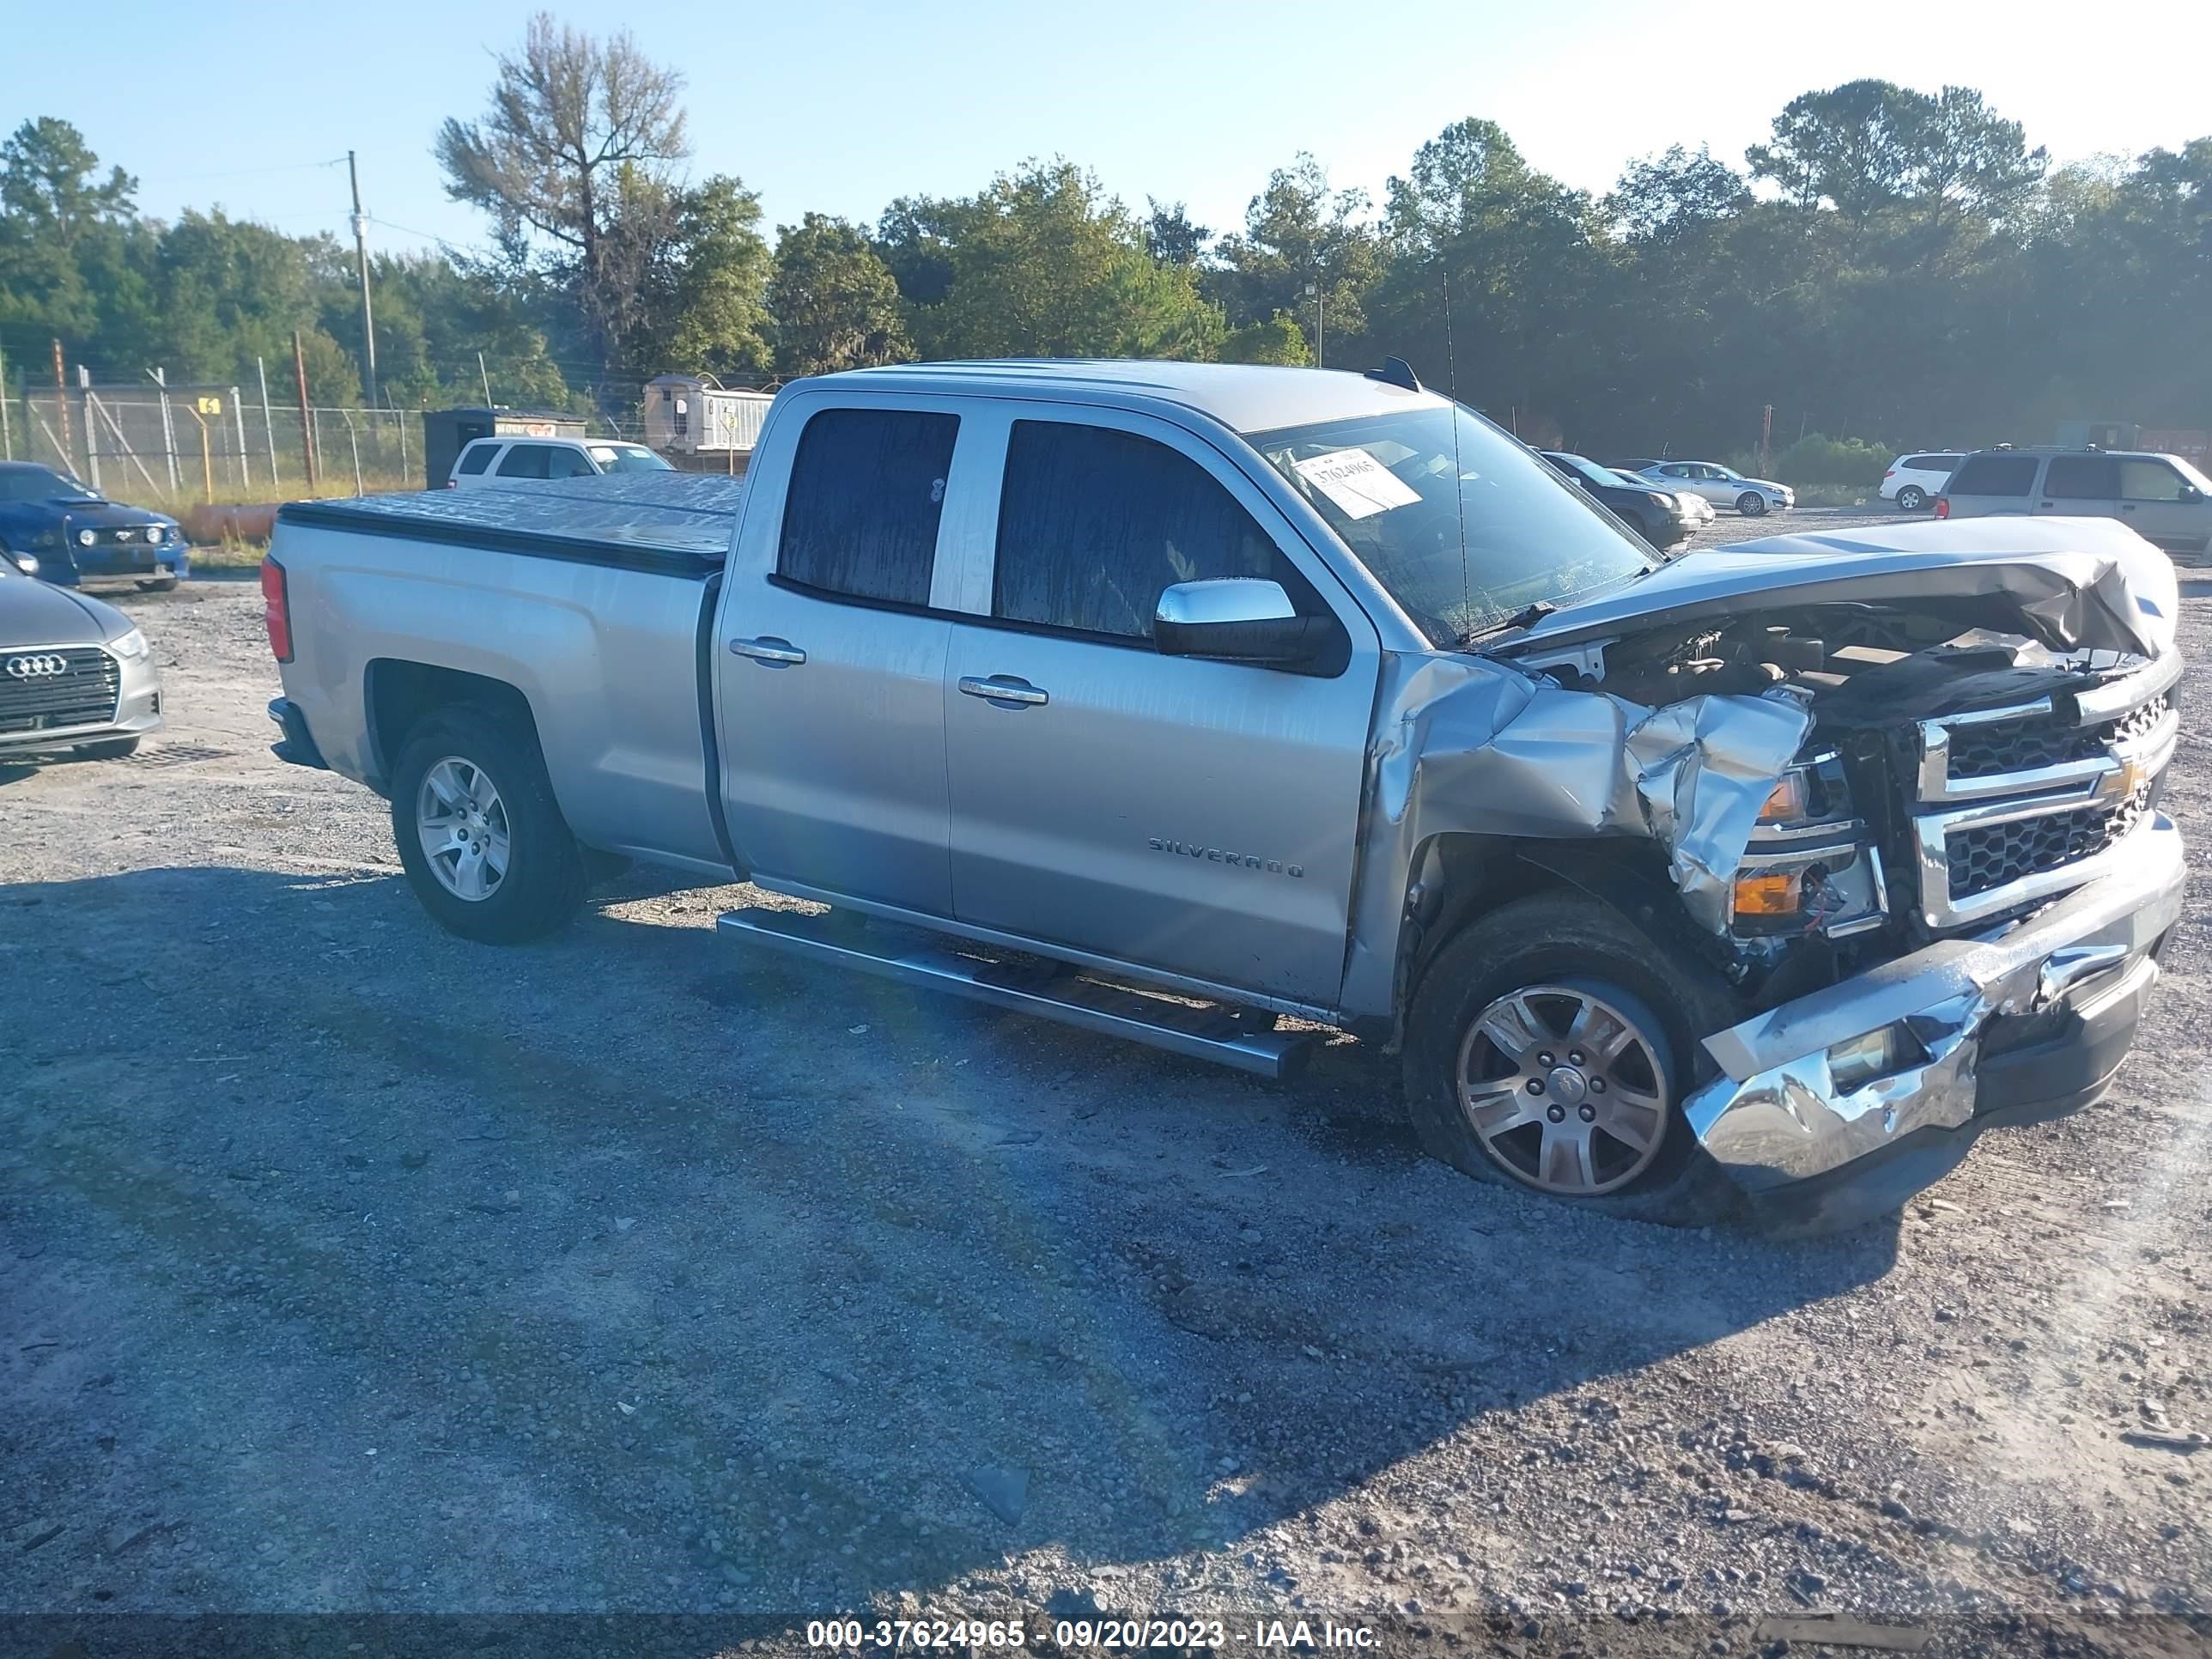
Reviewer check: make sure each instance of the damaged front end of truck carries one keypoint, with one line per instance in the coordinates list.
(1899, 795)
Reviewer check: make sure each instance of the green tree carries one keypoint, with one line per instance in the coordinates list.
(1043, 263)
(576, 161)
(704, 307)
(835, 301)
(1278, 340)
(1664, 198)
(1299, 234)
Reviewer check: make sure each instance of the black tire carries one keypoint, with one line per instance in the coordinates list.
(542, 883)
(1551, 939)
(1750, 504)
(1911, 499)
(107, 749)
(159, 585)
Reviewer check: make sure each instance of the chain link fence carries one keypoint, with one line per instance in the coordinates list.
(170, 448)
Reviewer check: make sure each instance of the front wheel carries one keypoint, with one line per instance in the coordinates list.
(1750, 504)
(1911, 499)
(481, 837)
(1551, 1045)
(159, 585)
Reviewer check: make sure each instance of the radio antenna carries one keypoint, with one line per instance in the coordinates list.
(1459, 476)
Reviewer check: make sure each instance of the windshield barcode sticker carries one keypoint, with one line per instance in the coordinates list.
(1360, 485)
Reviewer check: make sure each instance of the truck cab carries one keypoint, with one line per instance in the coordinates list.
(1766, 875)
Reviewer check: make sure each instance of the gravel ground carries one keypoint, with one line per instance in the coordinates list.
(345, 1267)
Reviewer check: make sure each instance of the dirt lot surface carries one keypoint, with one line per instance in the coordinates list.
(346, 1267)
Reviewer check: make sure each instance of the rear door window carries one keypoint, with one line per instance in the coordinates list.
(1995, 474)
(2082, 478)
(1942, 463)
(860, 515)
(2149, 481)
(477, 459)
(526, 461)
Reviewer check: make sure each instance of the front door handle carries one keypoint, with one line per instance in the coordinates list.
(769, 649)
(2127, 506)
(1002, 689)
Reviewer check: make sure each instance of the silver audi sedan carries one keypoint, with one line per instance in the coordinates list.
(75, 674)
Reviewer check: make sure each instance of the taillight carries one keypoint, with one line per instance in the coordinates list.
(276, 610)
(1889, 472)
(1942, 506)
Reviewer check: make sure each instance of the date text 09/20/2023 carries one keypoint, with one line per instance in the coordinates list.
(1105, 1635)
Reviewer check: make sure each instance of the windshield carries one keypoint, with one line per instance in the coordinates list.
(1630, 479)
(2191, 475)
(627, 458)
(1588, 468)
(1385, 485)
(39, 483)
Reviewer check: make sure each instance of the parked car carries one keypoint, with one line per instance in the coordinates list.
(1723, 486)
(1241, 691)
(70, 534)
(75, 674)
(2162, 498)
(1913, 481)
(1660, 517)
(524, 461)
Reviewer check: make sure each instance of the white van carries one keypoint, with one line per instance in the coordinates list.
(508, 461)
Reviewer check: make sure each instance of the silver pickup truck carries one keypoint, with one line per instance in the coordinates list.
(1167, 699)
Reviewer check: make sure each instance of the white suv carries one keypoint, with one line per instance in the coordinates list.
(1913, 481)
(508, 461)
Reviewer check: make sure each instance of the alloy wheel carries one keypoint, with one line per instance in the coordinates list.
(462, 825)
(1564, 1088)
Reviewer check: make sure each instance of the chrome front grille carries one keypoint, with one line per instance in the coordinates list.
(34, 698)
(2020, 803)
(1987, 857)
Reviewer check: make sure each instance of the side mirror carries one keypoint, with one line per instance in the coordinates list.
(2191, 495)
(25, 563)
(1237, 619)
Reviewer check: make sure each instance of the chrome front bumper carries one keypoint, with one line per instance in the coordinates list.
(2060, 989)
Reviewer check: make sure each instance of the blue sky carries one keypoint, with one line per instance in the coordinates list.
(841, 106)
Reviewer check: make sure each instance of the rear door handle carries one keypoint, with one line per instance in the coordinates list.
(769, 648)
(1002, 689)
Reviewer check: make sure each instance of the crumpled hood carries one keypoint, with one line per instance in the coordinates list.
(2067, 583)
(32, 612)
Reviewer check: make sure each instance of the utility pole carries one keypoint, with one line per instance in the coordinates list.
(307, 417)
(1320, 323)
(61, 400)
(361, 255)
(6, 438)
(484, 375)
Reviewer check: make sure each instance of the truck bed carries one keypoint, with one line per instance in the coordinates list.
(675, 521)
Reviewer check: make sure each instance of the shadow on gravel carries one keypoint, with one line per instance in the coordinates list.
(369, 1268)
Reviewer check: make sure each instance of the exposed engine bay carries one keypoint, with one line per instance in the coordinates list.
(1908, 711)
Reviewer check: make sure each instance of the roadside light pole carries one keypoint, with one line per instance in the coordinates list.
(360, 256)
(1320, 323)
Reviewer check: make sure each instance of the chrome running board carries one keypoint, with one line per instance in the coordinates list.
(1201, 1032)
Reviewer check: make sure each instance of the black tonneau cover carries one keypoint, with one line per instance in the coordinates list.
(670, 523)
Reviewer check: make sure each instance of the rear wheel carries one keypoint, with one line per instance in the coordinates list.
(1911, 499)
(1750, 504)
(159, 585)
(481, 837)
(1551, 1046)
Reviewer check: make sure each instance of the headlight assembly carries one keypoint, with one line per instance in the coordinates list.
(130, 647)
(86, 538)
